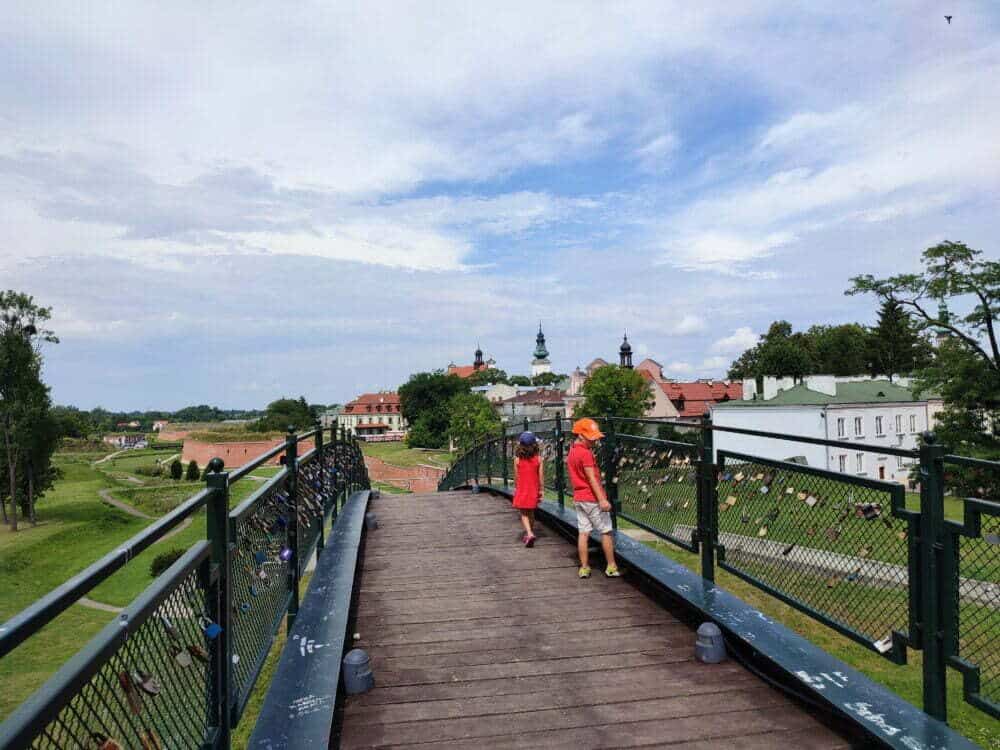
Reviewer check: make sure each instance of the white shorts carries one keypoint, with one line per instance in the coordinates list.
(589, 516)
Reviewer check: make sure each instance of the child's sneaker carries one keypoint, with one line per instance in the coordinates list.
(584, 573)
(612, 572)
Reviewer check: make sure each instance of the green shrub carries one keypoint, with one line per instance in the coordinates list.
(148, 470)
(176, 469)
(193, 472)
(163, 561)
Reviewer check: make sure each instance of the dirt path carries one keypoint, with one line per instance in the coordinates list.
(91, 604)
(107, 497)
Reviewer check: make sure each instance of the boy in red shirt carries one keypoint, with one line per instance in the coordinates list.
(592, 506)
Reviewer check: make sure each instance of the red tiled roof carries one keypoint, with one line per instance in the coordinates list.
(378, 402)
(695, 398)
(463, 371)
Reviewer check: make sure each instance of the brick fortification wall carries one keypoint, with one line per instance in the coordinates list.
(413, 478)
(235, 454)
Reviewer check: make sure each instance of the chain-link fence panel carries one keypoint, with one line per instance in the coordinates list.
(840, 548)
(144, 681)
(657, 484)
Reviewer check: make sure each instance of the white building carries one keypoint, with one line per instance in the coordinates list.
(374, 414)
(865, 412)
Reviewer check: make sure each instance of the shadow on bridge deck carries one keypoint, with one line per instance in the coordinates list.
(478, 642)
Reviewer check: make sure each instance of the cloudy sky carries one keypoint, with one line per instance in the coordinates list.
(230, 202)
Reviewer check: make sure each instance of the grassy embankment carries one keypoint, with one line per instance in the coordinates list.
(76, 528)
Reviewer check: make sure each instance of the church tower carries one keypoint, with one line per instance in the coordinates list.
(477, 363)
(625, 354)
(540, 363)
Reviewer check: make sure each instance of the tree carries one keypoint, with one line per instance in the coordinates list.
(965, 369)
(897, 347)
(285, 413)
(424, 401)
(522, 380)
(193, 474)
(26, 427)
(486, 377)
(71, 422)
(615, 391)
(472, 419)
(546, 379)
(840, 350)
(176, 469)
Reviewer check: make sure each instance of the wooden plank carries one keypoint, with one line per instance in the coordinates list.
(479, 642)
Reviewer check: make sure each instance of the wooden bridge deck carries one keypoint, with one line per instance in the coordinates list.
(477, 642)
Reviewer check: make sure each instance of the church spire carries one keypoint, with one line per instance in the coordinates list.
(625, 353)
(540, 351)
(478, 363)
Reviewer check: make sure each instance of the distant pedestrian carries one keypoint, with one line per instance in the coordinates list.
(529, 478)
(589, 497)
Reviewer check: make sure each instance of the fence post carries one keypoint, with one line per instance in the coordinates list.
(610, 480)
(503, 456)
(560, 477)
(220, 594)
(321, 541)
(335, 472)
(292, 527)
(707, 531)
(931, 568)
(475, 462)
(526, 424)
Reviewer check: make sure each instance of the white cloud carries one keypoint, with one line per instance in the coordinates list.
(715, 364)
(689, 324)
(741, 339)
(679, 368)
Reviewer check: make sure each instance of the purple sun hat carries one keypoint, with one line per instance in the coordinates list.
(527, 438)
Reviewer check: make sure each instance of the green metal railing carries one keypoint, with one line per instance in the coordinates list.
(177, 668)
(845, 550)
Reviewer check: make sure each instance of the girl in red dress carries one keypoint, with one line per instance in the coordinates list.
(528, 482)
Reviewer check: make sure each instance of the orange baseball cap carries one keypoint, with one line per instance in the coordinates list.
(588, 428)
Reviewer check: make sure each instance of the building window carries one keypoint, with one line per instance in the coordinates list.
(841, 428)
(899, 462)
(843, 463)
(899, 424)
(879, 432)
(858, 427)
(913, 423)
(860, 462)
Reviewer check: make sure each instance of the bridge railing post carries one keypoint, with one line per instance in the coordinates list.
(220, 599)
(931, 584)
(334, 471)
(292, 527)
(559, 467)
(610, 455)
(707, 506)
(321, 490)
(503, 456)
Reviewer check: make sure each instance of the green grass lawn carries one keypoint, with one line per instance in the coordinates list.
(76, 528)
(390, 489)
(398, 454)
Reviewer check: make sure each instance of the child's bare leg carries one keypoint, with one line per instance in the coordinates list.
(582, 542)
(531, 522)
(609, 549)
(526, 521)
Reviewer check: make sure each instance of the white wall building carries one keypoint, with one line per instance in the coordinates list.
(863, 412)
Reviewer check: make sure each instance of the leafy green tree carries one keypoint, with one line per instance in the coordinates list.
(472, 419)
(840, 350)
(897, 346)
(193, 473)
(965, 370)
(27, 430)
(176, 469)
(285, 413)
(615, 391)
(519, 380)
(546, 379)
(71, 422)
(424, 403)
(486, 377)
